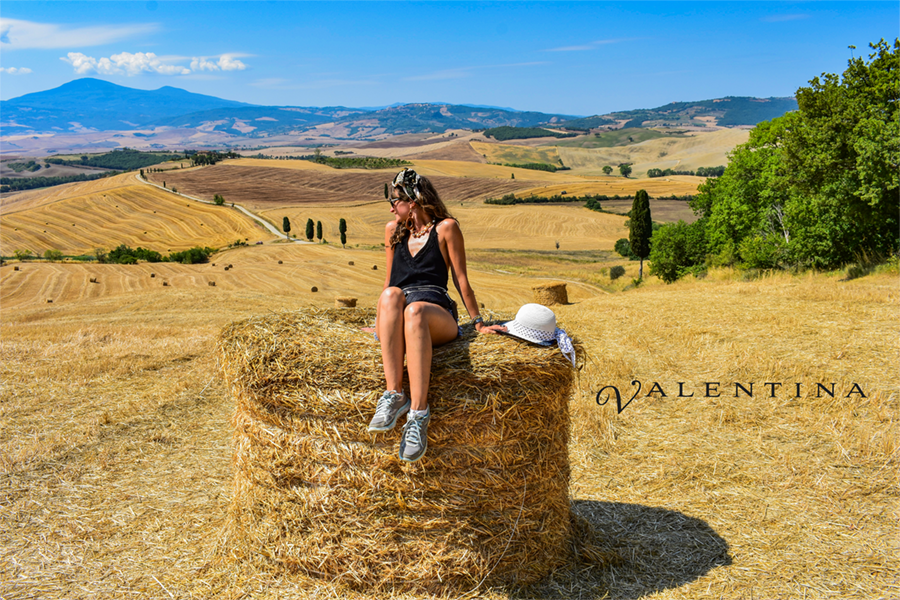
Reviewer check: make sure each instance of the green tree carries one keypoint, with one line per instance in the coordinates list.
(319, 230)
(53, 255)
(22, 254)
(678, 249)
(640, 228)
(625, 170)
(342, 228)
(386, 193)
(607, 170)
(286, 226)
(310, 229)
(219, 200)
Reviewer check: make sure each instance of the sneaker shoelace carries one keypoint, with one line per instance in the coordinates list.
(413, 433)
(385, 403)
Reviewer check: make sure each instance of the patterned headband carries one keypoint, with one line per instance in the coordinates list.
(409, 181)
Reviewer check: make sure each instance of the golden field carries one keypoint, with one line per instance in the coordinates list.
(115, 432)
(80, 218)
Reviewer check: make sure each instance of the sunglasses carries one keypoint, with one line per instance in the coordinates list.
(394, 201)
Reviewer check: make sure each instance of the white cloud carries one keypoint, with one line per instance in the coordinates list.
(226, 62)
(123, 63)
(15, 71)
(17, 35)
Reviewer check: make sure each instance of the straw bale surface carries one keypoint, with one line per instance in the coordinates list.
(550, 294)
(315, 493)
(344, 302)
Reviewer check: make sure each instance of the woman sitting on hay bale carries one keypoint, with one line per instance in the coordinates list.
(415, 312)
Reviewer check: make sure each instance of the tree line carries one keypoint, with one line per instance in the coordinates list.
(315, 230)
(700, 172)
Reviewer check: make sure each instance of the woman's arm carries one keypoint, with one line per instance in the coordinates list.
(389, 258)
(449, 230)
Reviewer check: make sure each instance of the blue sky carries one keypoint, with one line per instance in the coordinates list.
(578, 58)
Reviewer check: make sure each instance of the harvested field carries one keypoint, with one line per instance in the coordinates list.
(136, 215)
(685, 154)
(514, 154)
(457, 151)
(521, 226)
(253, 268)
(259, 184)
(18, 201)
(115, 458)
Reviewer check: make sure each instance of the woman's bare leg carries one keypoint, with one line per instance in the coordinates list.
(425, 325)
(389, 327)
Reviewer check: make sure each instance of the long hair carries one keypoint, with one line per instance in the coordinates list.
(426, 197)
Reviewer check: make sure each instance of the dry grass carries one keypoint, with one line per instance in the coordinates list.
(136, 215)
(681, 154)
(114, 427)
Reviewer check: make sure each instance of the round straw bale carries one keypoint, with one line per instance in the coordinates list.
(212, 283)
(350, 263)
(280, 262)
(314, 289)
(549, 294)
(344, 302)
(15, 268)
(93, 280)
(314, 492)
(152, 274)
(165, 283)
(214, 264)
(374, 267)
(49, 301)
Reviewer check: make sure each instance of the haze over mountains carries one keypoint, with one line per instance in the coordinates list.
(87, 105)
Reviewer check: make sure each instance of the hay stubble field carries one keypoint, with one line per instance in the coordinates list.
(114, 423)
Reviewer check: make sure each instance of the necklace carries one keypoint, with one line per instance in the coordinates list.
(424, 232)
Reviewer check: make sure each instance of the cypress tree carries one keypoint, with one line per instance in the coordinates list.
(342, 227)
(641, 228)
(286, 225)
(386, 195)
(319, 230)
(310, 229)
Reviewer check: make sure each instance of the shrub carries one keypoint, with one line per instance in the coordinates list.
(53, 255)
(193, 256)
(623, 247)
(678, 249)
(616, 272)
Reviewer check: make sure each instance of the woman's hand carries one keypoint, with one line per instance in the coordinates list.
(482, 328)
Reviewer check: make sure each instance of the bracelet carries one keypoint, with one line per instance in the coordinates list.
(477, 320)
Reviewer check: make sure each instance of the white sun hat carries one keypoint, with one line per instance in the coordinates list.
(536, 323)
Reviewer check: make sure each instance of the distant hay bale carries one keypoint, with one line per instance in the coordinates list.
(165, 283)
(374, 267)
(93, 280)
(49, 301)
(314, 289)
(344, 302)
(549, 294)
(152, 274)
(15, 268)
(230, 266)
(226, 268)
(214, 264)
(350, 263)
(315, 493)
(280, 262)
(212, 283)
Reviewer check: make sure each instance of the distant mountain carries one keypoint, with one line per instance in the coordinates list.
(102, 105)
(423, 118)
(723, 112)
(92, 104)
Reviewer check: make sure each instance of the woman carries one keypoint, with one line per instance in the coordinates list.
(415, 312)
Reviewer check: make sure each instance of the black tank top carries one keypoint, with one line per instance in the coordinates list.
(427, 267)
